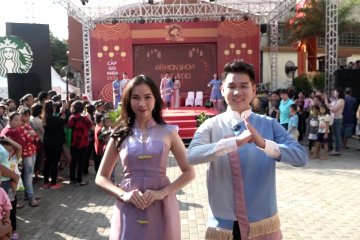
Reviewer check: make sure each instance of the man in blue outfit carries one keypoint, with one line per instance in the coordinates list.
(241, 149)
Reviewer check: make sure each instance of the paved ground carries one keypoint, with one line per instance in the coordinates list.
(319, 201)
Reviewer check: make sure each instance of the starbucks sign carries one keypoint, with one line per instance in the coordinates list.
(16, 55)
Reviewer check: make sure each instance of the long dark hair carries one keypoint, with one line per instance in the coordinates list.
(48, 111)
(127, 117)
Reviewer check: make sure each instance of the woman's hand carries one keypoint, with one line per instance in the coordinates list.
(152, 195)
(135, 197)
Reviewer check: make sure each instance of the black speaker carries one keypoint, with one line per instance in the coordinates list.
(263, 28)
(20, 84)
(348, 78)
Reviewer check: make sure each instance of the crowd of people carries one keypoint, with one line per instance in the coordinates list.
(41, 136)
(45, 134)
(327, 121)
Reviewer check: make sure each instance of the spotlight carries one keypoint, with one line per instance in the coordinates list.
(167, 20)
(246, 17)
(114, 21)
(196, 19)
(141, 21)
(84, 2)
(150, 1)
(211, 0)
(222, 18)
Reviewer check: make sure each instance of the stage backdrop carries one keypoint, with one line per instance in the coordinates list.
(194, 63)
(117, 48)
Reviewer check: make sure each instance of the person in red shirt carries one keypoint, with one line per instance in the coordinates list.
(80, 126)
(28, 154)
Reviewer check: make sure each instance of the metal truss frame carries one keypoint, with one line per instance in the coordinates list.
(267, 11)
(87, 61)
(277, 14)
(177, 12)
(331, 43)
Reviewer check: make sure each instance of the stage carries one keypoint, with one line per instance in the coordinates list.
(185, 118)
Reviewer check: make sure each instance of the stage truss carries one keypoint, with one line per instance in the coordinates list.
(331, 43)
(262, 12)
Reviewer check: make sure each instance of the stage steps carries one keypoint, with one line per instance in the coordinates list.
(185, 118)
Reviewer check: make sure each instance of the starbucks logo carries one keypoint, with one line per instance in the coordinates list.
(15, 55)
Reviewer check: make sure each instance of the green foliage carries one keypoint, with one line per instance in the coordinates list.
(114, 115)
(302, 83)
(201, 118)
(58, 53)
(318, 81)
(312, 23)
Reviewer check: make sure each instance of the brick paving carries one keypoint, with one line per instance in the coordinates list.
(319, 201)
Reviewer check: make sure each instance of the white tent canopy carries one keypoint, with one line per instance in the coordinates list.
(57, 85)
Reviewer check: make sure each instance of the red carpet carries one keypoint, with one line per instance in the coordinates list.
(185, 118)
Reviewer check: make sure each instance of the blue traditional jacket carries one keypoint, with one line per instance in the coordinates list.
(241, 183)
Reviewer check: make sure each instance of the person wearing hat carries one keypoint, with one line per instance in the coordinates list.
(3, 119)
(56, 98)
(99, 107)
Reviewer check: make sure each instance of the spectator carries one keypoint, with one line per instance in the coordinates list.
(323, 132)
(349, 116)
(42, 97)
(294, 122)
(337, 107)
(284, 108)
(3, 118)
(313, 125)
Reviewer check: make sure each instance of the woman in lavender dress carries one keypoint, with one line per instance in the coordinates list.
(146, 205)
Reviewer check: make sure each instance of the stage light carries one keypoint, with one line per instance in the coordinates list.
(167, 20)
(222, 18)
(114, 21)
(196, 19)
(141, 21)
(84, 2)
(150, 1)
(211, 0)
(246, 17)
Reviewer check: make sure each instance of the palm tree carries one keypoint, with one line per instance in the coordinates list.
(310, 23)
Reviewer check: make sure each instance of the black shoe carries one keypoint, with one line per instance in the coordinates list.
(83, 183)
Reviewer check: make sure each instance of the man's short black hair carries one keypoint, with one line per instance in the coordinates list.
(239, 67)
(42, 96)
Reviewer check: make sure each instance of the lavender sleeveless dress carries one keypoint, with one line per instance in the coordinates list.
(144, 159)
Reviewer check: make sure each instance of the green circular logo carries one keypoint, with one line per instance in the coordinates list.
(16, 55)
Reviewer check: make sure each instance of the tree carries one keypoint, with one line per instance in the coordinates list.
(311, 19)
(58, 53)
(310, 23)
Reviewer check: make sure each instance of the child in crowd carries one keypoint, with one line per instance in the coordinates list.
(5, 207)
(313, 125)
(11, 153)
(323, 131)
(294, 122)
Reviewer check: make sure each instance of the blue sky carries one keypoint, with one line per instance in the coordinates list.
(41, 11)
